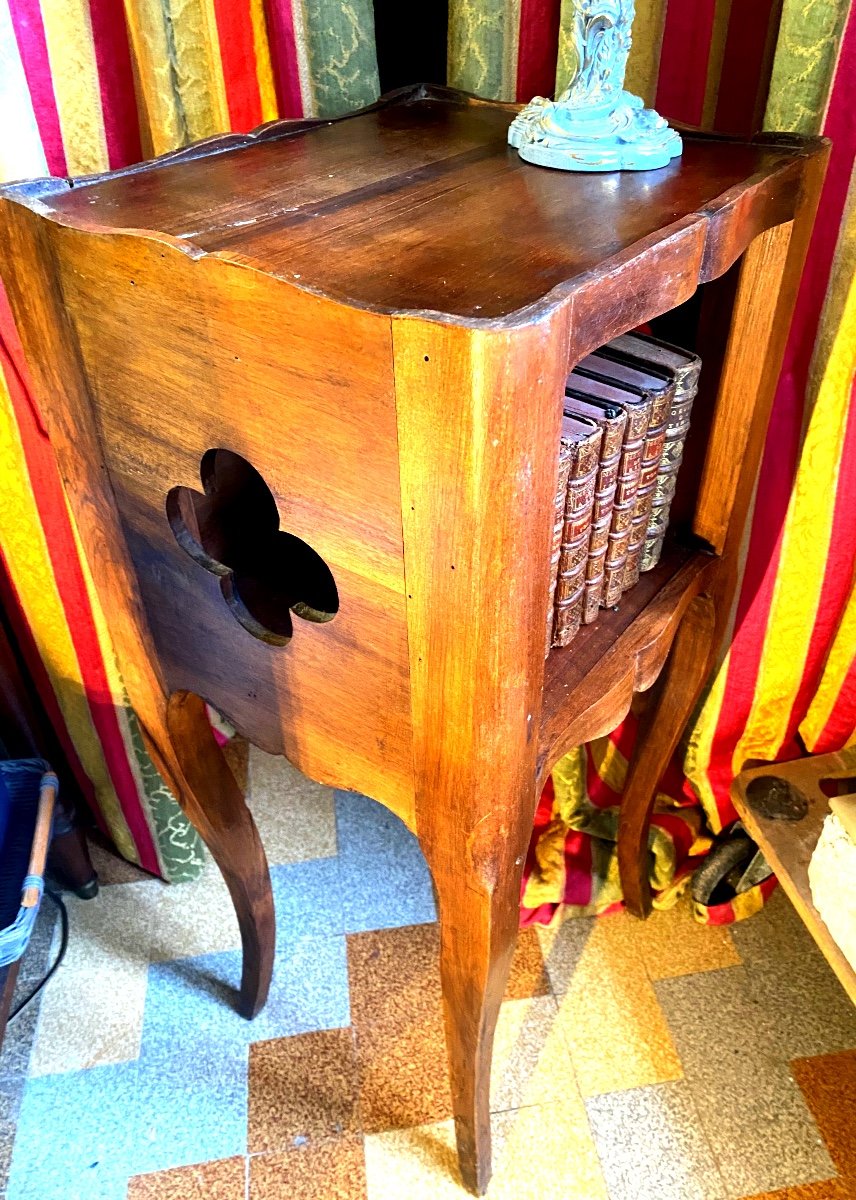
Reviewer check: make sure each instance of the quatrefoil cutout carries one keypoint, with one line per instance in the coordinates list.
(232, 530)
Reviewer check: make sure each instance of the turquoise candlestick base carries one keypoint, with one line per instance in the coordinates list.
(595, 125)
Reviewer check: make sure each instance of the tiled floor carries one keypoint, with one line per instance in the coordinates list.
(656, 1061)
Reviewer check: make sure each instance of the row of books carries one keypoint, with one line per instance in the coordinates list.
(626, 416)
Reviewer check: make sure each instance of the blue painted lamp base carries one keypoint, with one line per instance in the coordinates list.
(622, 136)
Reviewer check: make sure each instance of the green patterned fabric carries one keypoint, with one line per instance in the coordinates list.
(180, 848)
(483, 47)
(803, 70)
(566, 67)
(342, 56)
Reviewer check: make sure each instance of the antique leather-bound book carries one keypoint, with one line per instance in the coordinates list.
(637, 405)
(685, 367)
(565, 457)
(660, 385)
(613, 421)
(584, 439)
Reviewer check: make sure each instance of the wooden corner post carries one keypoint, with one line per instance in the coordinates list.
(478, 415)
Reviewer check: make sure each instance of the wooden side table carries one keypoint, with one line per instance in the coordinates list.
(310, 381)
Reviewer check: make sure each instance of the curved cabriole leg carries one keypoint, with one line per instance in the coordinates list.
(660, 729)
(478, 910)
(216, 806)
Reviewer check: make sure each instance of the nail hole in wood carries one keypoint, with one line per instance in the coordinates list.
(232, 530)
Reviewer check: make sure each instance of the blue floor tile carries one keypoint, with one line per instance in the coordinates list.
(193, 1111)
(75, 1132)
(84, 1133)
(190, 1002)
(384, 877)
(308, 899)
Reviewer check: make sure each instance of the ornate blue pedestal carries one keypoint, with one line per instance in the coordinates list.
(595, 125)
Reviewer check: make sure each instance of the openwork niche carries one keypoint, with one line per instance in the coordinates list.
(232, 530)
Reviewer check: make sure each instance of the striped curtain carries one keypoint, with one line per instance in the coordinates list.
(787, 684)
(92, 85)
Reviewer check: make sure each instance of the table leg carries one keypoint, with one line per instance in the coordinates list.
(216, 806)
(478, 893)
(660, 729)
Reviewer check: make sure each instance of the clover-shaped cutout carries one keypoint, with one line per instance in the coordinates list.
(233, 531)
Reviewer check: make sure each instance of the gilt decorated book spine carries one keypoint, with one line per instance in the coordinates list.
(657, 355)
(637, 404)
(584, 438)
(612, 420)
(565, 457)
(623, 368)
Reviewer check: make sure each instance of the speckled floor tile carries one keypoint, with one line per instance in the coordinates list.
(612, 1021)
(528, 974)
(302, 1089)
(294, 815)
(191, 1002)
(420, 1163)
(18, 1042)
(671, 943)
(531, 1063)
(194, 1112)
(385, 879)
(107, 963)
(828, 1084)
(824, 1189)
(107, 1025)
(116, 924)
(333, 1169)
(11, 1091)
(194, 918)
(308, 898)
(651, 1145)
(809, 1011)
(224, 1179)
(198, 918)
(773, 934)
(545, 1153)
(83, 1151)
(83, 1133)
(562, 948)
(397, 1015)
(751, 1109)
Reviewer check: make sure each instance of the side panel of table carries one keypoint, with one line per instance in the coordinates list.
(183, 356)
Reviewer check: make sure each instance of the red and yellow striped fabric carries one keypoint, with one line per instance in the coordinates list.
(87, 86)
(788, 681)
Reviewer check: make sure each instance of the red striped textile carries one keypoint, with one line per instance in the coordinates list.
(238, 54)
(286, 70)
(538, 48)
(743, 80)
(116, 81)
(13, 609)
(30, 35)
(682, 81)
(46, 488)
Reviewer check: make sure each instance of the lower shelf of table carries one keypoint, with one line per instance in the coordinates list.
(788, 847)
(588, 685)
